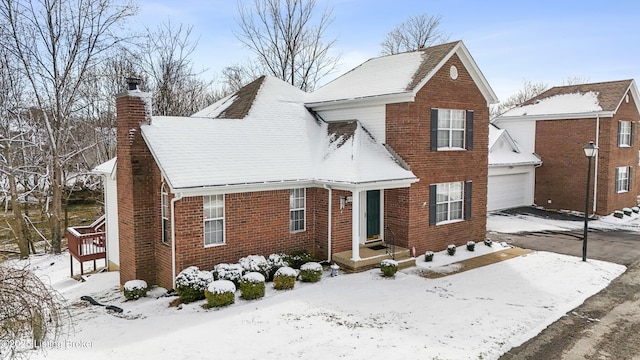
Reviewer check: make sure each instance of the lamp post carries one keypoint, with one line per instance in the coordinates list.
(590, 151)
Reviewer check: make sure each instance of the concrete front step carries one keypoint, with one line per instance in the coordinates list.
(402, 256)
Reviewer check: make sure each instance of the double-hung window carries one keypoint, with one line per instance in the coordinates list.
(164, 209)
(297, 204)
(213, 218)
(625, 133)
(623, 179)
(451, 129)
(449, 201)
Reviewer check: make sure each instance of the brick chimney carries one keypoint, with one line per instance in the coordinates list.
(137, 176)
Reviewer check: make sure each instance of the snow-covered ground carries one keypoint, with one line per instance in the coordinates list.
(477, 314)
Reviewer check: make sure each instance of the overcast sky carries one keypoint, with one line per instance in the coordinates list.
(511, 41)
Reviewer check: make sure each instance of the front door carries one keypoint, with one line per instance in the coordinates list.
(373, 215)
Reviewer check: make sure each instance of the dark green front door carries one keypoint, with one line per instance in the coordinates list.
(373, 214)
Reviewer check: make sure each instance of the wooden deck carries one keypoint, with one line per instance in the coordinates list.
(87, 243)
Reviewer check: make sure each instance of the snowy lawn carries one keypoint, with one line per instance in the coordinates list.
(477, 314)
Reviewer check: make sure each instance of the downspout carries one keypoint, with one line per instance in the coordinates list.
(595, 168)
(173, 239)
(329, 216)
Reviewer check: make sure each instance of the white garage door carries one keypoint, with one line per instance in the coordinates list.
(507, 191)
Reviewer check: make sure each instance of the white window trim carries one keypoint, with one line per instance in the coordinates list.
(303, 208)
(449, 202)
(164, 212)
(223, 218)
(624, 180)
(450, 129)
(626, 134)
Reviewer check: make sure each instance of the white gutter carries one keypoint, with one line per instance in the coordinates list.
(329, 215)
(583, 115)
(177, 197)
(407, 96)
(595, 168)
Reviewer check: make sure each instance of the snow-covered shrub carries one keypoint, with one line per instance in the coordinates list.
(310, 272)
(627, 211)
(231, 272)
(471, 245)
(284, 278)
(256, 263)
(276, 261)
(135, 289)
(389, 267)
(635, 209)
(488, 242)
(220, 293)
(451, 249)
(191, 284)
(298, 258)
(428, 256)
(619, 214)
(252, 286)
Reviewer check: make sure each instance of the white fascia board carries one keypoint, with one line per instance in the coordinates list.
(567, 116)
(372, 185)
(242, 188)
(528, 163)
(363, 101)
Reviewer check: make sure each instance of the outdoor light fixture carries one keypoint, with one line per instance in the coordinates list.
(590, 151)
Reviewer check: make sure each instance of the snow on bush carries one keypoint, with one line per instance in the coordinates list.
(619, 214)
(191, 284)
(451, 249)
(488, 242)
(310, 272)
(256, 263)
(276, 261)
(231, 272)
(135, 289)
(252, 286)
(635, 209)
(284, 278)
(428, 256)
(298, 258)
(220, 293)
(627, 211)
(471, 245)
(388, 267)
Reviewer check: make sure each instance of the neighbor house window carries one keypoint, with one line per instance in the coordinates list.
(213, 220)
(451, 129)
(625, 133)
(164, 209)
(297, 202)
(623, 179)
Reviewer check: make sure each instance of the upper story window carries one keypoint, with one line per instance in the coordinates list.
(213, 218)
(297, 204)
(164, 210)
(623, 179)
(451, 129)
(449, 202)
(625, 133)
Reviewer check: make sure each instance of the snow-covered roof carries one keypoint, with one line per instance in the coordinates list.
(504, 150)
(106, 167)
(398, 74)
(577, 101)
(263, 134)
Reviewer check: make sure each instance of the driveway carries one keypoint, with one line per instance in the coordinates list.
(607, 325)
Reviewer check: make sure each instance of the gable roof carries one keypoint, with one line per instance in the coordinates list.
(263, 136)
(504, 150)
(398, 77)
(577, 101)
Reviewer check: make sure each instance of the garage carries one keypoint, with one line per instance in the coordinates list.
(508, 191)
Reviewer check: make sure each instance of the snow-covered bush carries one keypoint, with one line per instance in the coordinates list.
(298, 258)
(231, 272)
(488, 242)
(428, 256)
(471, 245)
(135, 289)
(276, 261)
(619, 214)
(635, 209)
(627, 211)
(252, 286)
(284, 278)
(220, 293)
(191, 284)
(310, 272)
(389, 267)
(451, 249)
(256, 263)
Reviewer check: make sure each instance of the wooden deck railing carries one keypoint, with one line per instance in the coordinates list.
(87, 243)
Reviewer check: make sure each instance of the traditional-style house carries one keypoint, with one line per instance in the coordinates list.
(559, 122)
(391, 155)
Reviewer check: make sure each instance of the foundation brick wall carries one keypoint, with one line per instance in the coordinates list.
(408, 133)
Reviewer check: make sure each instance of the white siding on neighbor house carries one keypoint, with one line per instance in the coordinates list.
(111, 226)
(371, 117)
(522, 131)
(510, 186)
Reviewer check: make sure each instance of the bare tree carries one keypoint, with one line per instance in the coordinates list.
(30, 312)
(56, 43)
(287, 43)
(574, 80)
(415, 33)
(529, 90)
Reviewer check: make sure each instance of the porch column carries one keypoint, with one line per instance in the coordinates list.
(355, 226)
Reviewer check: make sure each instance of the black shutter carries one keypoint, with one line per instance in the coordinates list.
(619, 132)
(469, 130)
(633, 132)
(467, 200)
(630, 177)
(434, 129)
(432, 205)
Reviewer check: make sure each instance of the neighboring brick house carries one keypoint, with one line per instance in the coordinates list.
(566, 118)
(393, 151)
